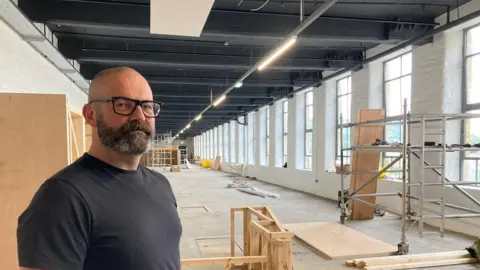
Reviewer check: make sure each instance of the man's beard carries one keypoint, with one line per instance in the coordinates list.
(124, 140)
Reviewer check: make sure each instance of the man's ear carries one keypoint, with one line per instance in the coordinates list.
(89, 115)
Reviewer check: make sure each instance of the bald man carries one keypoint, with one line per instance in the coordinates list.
(105, 211)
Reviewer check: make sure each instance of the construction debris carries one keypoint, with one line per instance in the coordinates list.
(414, 261)
(258, 192)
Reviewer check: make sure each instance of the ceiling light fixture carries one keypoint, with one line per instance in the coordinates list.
(278, 52)
(238, 84)
(188, 126)
(219, 100)
(198, 117)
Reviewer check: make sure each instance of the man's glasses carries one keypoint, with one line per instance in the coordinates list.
(126, 106)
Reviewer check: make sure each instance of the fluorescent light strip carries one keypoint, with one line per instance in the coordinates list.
(219, 100)
(188, 126)
(238, 84)
(278, 52)
(198, 117)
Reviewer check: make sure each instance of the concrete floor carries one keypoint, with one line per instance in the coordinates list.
(204, 187)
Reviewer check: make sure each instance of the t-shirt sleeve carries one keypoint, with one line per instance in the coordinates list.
(54, 231)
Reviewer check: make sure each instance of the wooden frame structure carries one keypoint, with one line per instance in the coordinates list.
(266, 246)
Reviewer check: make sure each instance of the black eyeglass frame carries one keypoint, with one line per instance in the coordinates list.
(136, 101)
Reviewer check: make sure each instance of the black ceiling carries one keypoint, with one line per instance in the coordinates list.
(185, 72)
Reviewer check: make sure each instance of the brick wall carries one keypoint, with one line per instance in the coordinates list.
(24, 70)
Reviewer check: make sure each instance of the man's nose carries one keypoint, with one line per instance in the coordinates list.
(138, 113)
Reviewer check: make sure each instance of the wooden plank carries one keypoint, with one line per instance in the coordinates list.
(258, 214)
(33, 147)
(223, 260)
(255, 245)
(281, 235)
(260, 228)
(365, 161)
(423, 264)
(270, 214)
(336, 241)
(232, 232)
(246, 232)
(88, 138)
(412, 258)
(282, 253)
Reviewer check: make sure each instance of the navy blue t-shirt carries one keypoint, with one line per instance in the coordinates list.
(94, 216)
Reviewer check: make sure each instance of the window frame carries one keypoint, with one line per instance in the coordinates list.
(267, 135)
(308, 159)
(466, 107)
(385, 155)
(349, 93)
(284, 132)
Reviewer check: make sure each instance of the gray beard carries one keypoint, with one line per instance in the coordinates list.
(123, 140)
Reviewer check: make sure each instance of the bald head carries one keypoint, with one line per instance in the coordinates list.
(119, 81)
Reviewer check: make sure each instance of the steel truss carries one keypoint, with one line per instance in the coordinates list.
(406, 150)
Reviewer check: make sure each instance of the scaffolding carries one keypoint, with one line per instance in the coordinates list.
(406, 151)
(161, 153)
(183, 156)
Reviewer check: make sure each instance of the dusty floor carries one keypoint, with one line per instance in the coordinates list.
(199, 187)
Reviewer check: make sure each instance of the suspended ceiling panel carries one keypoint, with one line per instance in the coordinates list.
(179, 17)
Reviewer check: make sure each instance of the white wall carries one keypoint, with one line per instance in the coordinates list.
(436, 88)
(24, 70)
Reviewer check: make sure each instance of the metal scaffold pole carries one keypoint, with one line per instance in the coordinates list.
(406, 150)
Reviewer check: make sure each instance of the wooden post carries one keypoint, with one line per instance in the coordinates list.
(246, 232)
(255, 245)
(232, 232)
(281, 254)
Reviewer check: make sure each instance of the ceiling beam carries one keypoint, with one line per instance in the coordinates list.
(171, 104)
(202, 61)
(196, 111)
(223, 24)
(253, 96)
(217, 81)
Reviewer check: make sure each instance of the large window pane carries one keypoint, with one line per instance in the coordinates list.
(308, 143)
(473, 41)
(393, 97)
(309, 98)
(393, 69)
(472, 134)
(309, 118)
(472, 70)
(406, 64)
(285, 123)
(470, 170)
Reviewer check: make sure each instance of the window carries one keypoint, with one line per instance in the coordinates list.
(344, 103)
(471, 160)
(253, 136)
(215, 142)
(285, 131)
(250, 140)
(397, 87)
(220, 142)
(241, 140)
(267, 135)
(308, 129)
(233, 146)
(225, 142)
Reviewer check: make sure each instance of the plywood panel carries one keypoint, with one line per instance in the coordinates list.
(33, 147)
(365, 161)
(88, 136)
(77, 133)
(336, 241)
